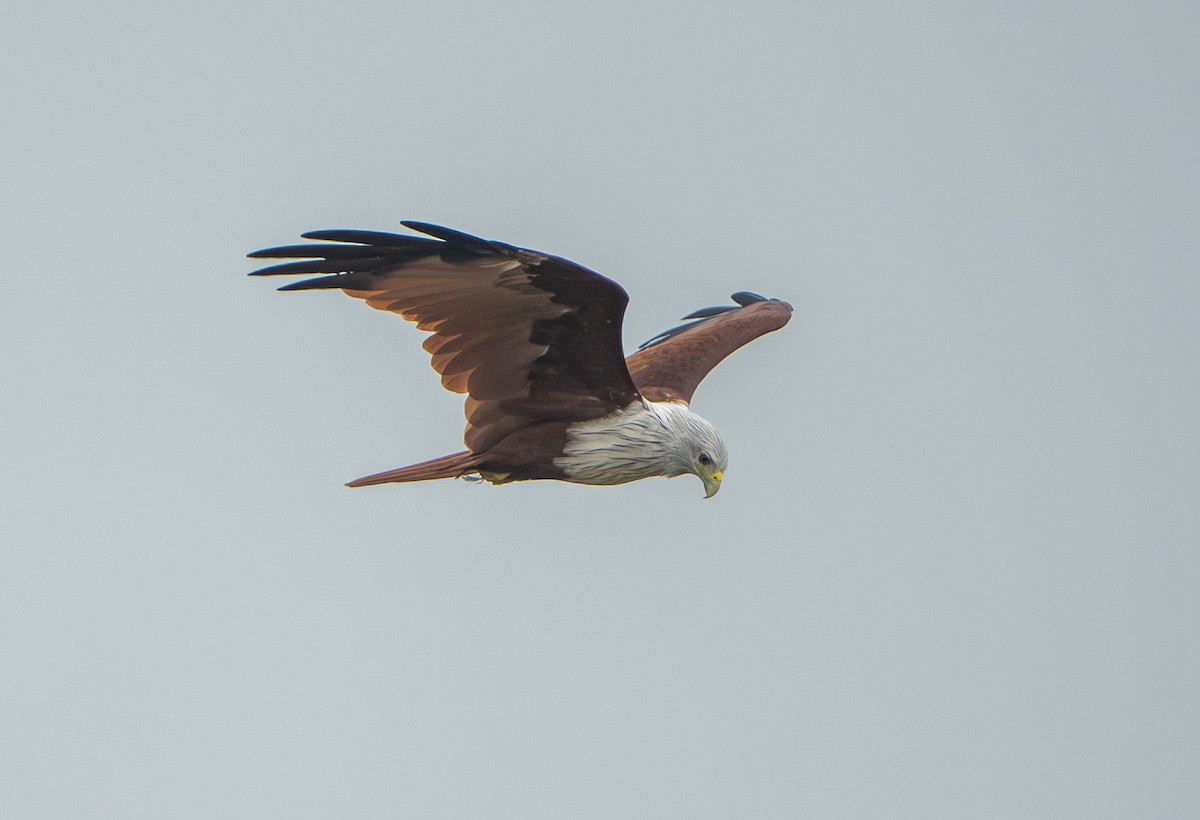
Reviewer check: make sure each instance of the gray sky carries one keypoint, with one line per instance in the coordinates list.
(953, 570)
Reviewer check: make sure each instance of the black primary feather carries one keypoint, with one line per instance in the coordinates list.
(705, 313)
(311, 266)
(315, 251)
(378, 238)
(458, 239)
(742, 297)
(360, 253)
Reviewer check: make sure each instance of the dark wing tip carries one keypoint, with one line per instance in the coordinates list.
(708, 312)
(743, 298)
(746, 297)
(345, 251)
(356, 235)
(458, 239)
(305, 266)
(336, 280)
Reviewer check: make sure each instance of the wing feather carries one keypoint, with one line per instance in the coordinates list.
(672, 364)
(527, 336)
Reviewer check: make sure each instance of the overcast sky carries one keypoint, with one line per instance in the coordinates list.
(953, 570)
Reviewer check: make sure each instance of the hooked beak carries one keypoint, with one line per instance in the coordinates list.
(711, 485)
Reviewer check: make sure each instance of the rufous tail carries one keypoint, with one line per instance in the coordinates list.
(451, 466)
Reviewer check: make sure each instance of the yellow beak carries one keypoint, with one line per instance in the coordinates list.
(712, 485)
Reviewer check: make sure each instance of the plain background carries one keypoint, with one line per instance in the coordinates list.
(952, 573)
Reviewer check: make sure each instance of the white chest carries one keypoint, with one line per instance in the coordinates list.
(628, 445)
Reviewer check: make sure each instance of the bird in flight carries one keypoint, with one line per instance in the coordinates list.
(534, 341)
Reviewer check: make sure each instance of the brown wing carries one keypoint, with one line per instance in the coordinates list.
(525, 335)
(669, 366)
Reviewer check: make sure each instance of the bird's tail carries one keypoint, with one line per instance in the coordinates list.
(451, 466)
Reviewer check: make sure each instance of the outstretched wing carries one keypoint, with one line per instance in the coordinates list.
(526, 335)
(669, 366)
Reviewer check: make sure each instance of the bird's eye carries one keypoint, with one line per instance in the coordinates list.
(704, 459)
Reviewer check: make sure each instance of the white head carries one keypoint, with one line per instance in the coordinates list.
(694, 446)
(646, 439)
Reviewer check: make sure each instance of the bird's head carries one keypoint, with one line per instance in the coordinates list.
(697, 448)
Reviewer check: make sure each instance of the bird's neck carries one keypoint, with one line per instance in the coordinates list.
(636, 442)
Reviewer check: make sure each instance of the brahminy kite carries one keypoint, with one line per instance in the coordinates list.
(534, 341)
